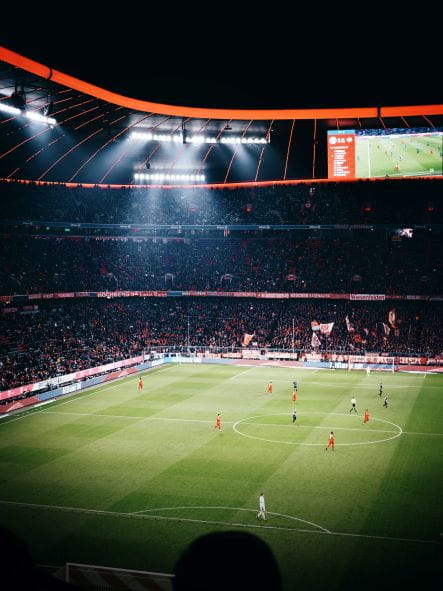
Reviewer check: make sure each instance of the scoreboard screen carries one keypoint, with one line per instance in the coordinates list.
(372, 153)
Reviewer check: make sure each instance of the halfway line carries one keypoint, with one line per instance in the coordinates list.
(86, 414)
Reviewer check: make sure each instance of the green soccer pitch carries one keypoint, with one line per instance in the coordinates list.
(119, 478)
(378, 156)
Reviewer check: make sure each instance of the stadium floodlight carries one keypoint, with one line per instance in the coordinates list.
(32, 115)
(10, 110)
(162, 176)
(244, 140)
(197, 139)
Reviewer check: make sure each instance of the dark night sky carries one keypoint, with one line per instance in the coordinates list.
(231, 67)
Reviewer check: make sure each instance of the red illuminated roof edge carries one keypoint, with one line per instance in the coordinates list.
(15, 59)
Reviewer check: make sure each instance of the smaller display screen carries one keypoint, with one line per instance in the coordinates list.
(371, 153)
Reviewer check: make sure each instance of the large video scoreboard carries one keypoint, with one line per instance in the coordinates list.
(370, 153)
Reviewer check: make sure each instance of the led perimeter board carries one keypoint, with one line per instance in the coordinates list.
(369, 153)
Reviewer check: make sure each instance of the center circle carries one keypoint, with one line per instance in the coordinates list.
(236, 429)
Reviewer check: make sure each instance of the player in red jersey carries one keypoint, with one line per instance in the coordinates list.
(331, 441)
(294, 396)
(140, 384)
(218, 422)
(270, 388)
(366, 417)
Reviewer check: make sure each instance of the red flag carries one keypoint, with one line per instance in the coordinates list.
(247, 338)
(326, 328)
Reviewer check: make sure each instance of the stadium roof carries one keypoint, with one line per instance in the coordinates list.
(98, 103)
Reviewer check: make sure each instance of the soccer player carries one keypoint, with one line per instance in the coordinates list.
(294, 396)
(294, 415)
(331, 441)
(270, 388)
(140, 384)
(380, 391)
(366, 417)
(385, 402)
(218, 422)
(368, 370)
(294, 385)
(353, 402)
(261, 506)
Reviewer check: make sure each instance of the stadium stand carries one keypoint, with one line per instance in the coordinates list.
(409, 201)
(58, 338)
(329, 261)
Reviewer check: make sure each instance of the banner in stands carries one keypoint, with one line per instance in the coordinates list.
(282, 355)
(372, 297)
(78, 375)
(7, 299)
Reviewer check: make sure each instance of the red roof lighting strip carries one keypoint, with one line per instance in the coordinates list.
(15, 59)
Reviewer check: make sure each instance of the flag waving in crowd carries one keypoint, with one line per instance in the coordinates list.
(315, 341)
(247, 338)
(392, 318)
(326, 328)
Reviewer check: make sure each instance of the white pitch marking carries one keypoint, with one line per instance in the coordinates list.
(373, 386)
(223, 523)
(32, 412)
(400, 431)
(319, 427)
(86, 414)
(233, 509)
(240, 373)
(97, 389)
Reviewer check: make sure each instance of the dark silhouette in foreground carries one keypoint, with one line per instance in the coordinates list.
(17, 568)
(227, 560)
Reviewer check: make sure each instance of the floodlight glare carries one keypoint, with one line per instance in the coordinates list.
(196, 140)
(160, 176)
(33, 116)
(9, 109)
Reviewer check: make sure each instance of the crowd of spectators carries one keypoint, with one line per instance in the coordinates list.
(56, 339)
(328, 261)
(50, 339)
(363, 202)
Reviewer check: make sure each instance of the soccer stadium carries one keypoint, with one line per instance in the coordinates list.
(221, 353)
